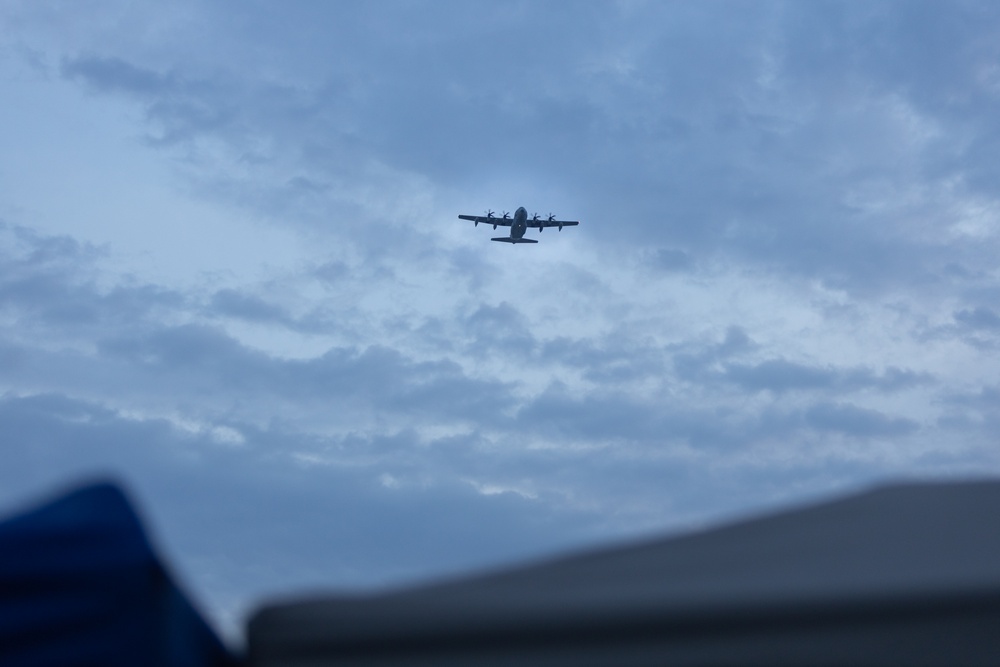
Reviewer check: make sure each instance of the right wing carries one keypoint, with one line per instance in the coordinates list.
(545, 222)
(490, 220)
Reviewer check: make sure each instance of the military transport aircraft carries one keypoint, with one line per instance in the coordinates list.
(519, 224)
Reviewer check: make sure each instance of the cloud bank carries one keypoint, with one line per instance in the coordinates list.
(231, 271)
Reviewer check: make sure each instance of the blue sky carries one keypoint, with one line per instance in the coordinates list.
(232, 274)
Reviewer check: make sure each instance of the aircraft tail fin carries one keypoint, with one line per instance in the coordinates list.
(507, 239)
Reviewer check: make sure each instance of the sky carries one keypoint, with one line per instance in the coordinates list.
(232, 275)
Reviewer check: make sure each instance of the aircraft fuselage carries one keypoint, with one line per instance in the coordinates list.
(520, 224)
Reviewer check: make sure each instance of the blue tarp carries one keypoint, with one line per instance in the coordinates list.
(80, 585)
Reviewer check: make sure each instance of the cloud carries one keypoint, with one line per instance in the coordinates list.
(979, 318)
(232, 303)
(114, 75)
(973, 415)
(248, 522)
(780, 375)
(197, 360)
(501, 329)
(181, 109)
(857, 422)
(747, 151)
(53, 278)
(671, 259)
(781, 286)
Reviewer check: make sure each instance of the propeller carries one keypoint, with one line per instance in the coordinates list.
(534, 218)
(489, 213)
(551, 217)
(506, 214)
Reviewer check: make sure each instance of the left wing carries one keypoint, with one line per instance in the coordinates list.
(489, 220)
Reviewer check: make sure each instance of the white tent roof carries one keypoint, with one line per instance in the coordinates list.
(908, 574)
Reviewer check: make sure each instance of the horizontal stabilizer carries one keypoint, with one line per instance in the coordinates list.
(507, 239)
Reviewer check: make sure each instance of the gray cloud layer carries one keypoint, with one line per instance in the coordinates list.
(784, 284)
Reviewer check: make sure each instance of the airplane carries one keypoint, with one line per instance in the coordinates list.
(519, 224)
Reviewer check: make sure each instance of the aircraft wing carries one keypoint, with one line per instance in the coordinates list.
(543, 222)
(488, 220)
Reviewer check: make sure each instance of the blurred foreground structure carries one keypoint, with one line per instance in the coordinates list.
(903, 575)
(81, 585)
